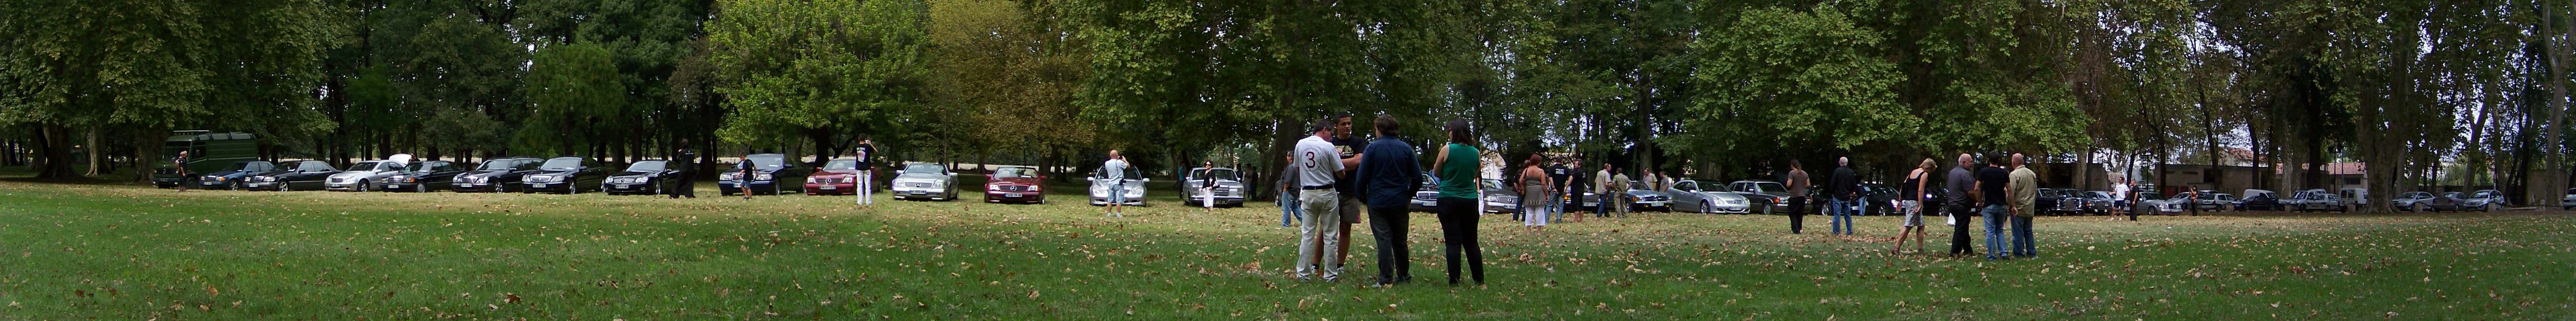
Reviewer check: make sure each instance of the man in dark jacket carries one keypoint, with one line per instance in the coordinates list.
(1387, 176)
(1845, 190)
(681, 161)
(1962, 208)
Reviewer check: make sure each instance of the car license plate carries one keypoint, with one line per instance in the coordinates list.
(830, 187)
(1012, 195)
(537, 185)
(625, 186)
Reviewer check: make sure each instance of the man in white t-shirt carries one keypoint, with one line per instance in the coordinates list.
(1116, 171)
(1319, 167)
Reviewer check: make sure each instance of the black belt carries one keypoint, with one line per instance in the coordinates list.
(1310, 188)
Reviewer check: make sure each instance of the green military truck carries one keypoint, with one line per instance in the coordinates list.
(208, 152)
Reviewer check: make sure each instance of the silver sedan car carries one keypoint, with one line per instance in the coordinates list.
(1689, 196)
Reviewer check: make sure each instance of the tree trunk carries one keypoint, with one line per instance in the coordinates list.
(53, 141)
(97, 154)
(2552, 180)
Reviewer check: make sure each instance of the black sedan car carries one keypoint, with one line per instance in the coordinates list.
(2049, 201)
(423, 176)
(770, 174)
(305, 175)
(650, 177)
(566, 175)
(231, 176)
(2260, 202)
(497, 175)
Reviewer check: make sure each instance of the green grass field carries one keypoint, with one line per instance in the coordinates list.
(121, 252)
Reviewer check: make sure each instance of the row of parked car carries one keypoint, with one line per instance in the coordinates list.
(2321, 200)
(771, 174)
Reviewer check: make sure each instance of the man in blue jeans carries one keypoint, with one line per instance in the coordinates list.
(2024, 187)
(1991, 192)
(1845, 193)
(1288, 191)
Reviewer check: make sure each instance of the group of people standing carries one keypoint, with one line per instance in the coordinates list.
(1337, 176)
(2003, 195)
(1566, 183)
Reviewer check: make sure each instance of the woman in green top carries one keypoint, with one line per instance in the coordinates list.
(1456, 170)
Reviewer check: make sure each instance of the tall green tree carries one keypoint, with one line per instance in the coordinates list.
(818, 70)
(571, 88)
(137, 69)
(1794, 75)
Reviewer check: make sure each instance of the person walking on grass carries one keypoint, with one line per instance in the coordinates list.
(743, 169)
(1600, 192)
(1958, 184)
(684, 165)
(1115, 170)
(1207, 185)
(1994, 192)
(181, 164)
(1845, 192)
(1617, 196)
(2025, 193)
(1910, 202)
(1287, 190)
(1388, 175)
(1573, 191)
(1797, 197)
(1318, 168)
(1456, 170)
(1533, 181)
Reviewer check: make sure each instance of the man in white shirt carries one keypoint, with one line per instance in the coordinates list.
(1115, 169)
(1319, 167)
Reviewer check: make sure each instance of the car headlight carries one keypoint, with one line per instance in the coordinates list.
(215, 178)
(762, 177)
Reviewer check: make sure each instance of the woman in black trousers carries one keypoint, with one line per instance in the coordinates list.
(1456, 171)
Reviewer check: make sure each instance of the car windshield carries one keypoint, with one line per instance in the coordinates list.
(925, 168)
(313, 166)
(1015, 172)
(237, 166)
(1219, 174)
(364, 166)
(1768, 187)
(561, 163)
(842, 164)
(1132, 174)
(499, 164)
(768, 161)
(645, 166)
(2484, 194)
(418, 166)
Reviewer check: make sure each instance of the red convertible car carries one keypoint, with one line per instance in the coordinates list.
(1014, 184)
(838, 177)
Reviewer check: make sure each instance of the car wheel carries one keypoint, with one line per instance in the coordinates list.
(420, 188)
(2489, 208)
(362, 186)
(657, 189)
